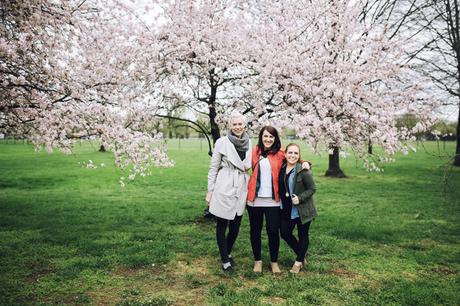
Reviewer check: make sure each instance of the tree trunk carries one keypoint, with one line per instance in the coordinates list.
(369, 147)
(453, 27)
(102, 148)
(457, 150)
(334, 165)
(187, 132)
(170, 127)
(215, 131)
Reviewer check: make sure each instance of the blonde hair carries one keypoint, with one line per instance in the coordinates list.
(234, 115)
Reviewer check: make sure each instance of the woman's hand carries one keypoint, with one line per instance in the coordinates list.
(295, 200)
(209, 197)
(306, 166)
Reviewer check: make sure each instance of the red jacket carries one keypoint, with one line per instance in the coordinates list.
(276, 161)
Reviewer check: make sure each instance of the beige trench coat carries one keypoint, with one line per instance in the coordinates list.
(228, 180)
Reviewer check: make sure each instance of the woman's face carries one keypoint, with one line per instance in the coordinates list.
(292, 155)
(237, 126)
(268, 140)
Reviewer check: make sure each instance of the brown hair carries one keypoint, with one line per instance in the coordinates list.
(293, 145)
(276, 144)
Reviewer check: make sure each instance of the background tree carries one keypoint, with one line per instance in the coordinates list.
(440, 54)
(67, 72)
(336, 78)
(205, 64)
(434, 27)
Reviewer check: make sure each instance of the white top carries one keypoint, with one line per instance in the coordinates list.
(264, 202)
(265, 189)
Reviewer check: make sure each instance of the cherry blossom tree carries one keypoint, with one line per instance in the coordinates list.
(68, 72)
(210, 61)
(94, 68)
(339, 82)
(205, 64)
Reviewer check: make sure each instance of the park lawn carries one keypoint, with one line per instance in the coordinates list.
(72, 235)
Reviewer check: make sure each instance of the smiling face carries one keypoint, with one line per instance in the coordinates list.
(237, 126)
(292, 154)
(268, 140)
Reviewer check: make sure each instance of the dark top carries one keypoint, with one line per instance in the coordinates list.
(241, 154)
(283, 188)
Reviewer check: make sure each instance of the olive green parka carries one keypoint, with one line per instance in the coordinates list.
(304, 188)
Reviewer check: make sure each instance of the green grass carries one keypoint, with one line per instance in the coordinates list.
(71, 235)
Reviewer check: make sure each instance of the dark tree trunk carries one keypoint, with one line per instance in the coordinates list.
(170, 128)
(334, 165)
(369, 147)
(102, 148)
(452, 17)
(215, 131)
(187, 132)
(457, 150)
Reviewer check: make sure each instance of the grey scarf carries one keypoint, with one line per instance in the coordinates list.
(241, 144)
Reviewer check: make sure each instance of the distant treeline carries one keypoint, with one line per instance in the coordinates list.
(442, 129)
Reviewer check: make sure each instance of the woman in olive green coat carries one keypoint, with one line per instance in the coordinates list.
(296, 186)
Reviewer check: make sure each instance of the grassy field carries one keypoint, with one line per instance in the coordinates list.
(71, 235)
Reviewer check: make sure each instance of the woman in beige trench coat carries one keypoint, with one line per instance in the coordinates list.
(228, 185)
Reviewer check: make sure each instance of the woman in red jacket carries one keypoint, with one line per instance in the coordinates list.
(263, 195)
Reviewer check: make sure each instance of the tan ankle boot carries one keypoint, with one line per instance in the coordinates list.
(296, 267)
(257, 266)
(275, 268)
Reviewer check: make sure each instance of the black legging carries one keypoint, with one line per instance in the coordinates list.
(300, 246)
(225, 244)
(256, 220)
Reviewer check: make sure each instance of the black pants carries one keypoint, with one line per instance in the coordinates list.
(256, 221)
(300, 246)
(225, 243)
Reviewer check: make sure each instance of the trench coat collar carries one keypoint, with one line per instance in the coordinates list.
(232, 154)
